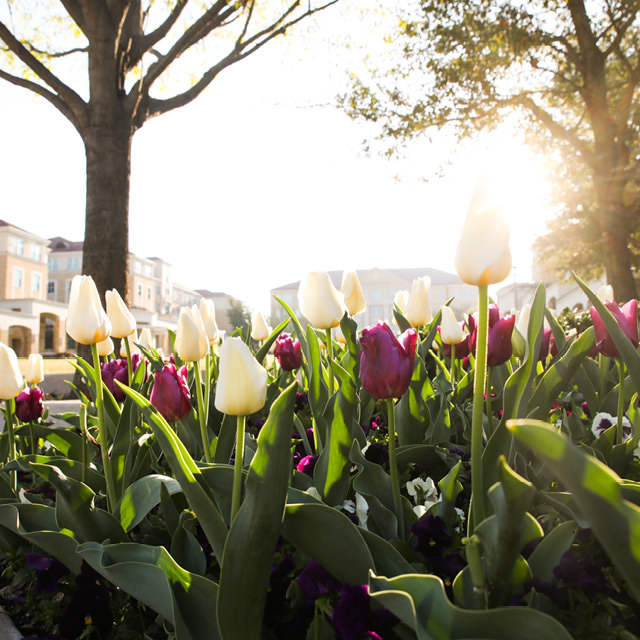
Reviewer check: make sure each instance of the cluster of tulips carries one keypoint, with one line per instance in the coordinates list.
(336, 481)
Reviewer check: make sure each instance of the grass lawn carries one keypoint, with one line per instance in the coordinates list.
(51, 366)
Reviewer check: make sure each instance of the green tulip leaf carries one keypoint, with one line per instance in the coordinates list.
(142, 496)
(185, 548)
(64, 441)
(248, 554)
(183, 598)
(37, 524)
(297, 327)
(266, 345)
(412, 413)
(330, 538)
(558, 375)
(196, 490)
(421, 603)
(69, 467)
(547, 554)
(597, 491)
(75, 508)
(331, 473)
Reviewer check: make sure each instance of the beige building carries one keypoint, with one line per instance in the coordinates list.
(380, 287)
(35, 281)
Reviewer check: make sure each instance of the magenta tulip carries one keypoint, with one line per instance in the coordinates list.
(288, 352)
(500, 330)
(29, 404)
(170, 394)
(626, 317)
(545, 345)
(112, 371)
(386, 362)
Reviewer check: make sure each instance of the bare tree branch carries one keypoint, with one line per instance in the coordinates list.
(53, 98)
(148, 41)
(73, 101)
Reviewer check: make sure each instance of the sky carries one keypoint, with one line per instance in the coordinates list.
(263, 178)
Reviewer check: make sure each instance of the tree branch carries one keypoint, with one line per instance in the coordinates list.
(148, 41)
(75, 10)
(53, 98)
(73, 101)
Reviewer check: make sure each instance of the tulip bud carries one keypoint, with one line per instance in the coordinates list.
(132, 340)
(418, 310)
(319, 301)
(105, 347)
(353, 294)
(400, 299)
(242, 382)
(87, 322)
(626, 317)
(386, 363)
(260, 330)
(145, 339)
(191, 342)
(208, 315)
(499, 347)
(450, 330)
(29, 404)
(11, 380)
(483, 256)
(123, 323)
(288, 352)
(605, 292)
(170, 393)
(115, 370)
(35, 369)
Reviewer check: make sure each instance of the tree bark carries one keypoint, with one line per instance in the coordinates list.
(106, 242)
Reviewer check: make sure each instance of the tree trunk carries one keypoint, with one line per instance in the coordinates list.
(106, 242)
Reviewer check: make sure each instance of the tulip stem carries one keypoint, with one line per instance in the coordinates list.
(330, 360)
(393, 467)
(620, 416)
(127, 348)
(237, 468)
(489, 403)
(84, 433)
(479, 384)
(452, 375)
(201, 413)
(104, 444)
(12, 441)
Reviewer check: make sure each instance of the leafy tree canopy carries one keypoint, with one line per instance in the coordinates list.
(566, 71)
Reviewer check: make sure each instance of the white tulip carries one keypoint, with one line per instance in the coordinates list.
(242, 381)
(319, 301)
(11, 381)
(123, 323)
(87, 322)
(352, 291)
(35, 369)
(191, 342)
(418, 309)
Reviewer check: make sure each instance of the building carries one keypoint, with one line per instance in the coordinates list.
(35, 282)
(380, 287)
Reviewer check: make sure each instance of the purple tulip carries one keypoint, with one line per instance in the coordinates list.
(170, 393)
(626, 317)
(386, 363)
(545, 345)
(112, 371)
(288, 352)
(499, 342)
(29, 404)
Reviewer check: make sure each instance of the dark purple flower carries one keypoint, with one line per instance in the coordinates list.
(48, 571)
(545, 344)
(315, 581)
(90, 605)
(45, 490)
(447, 566)
(377, 453)
(626, 317)
(302, 401)
(578, 568)
(170, 393)
(307, 465)
(432, 537)
(288, 352)
(499, 347)
(115, 370)
(386, 363)
(354, 619)
(29, 404)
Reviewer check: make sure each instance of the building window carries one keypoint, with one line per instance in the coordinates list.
(17, 246)
(35, 282)
(73, 263)
(53, 264)
(137, 266)
(68, 286)
(148, 293)
(17, 278)
(139, 291)
(51, 288)
(49, 334)
(36, 252)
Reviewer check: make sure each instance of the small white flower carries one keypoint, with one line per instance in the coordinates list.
(602, 421)
(362, 510)
(424, 494)
(313, 492)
